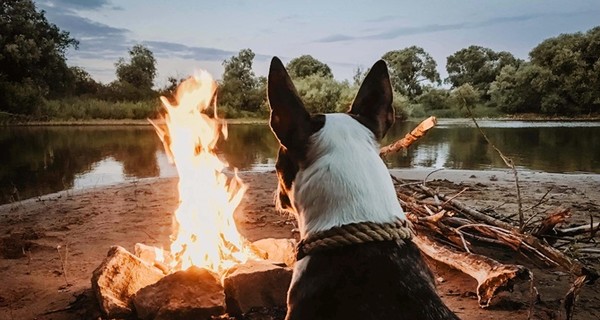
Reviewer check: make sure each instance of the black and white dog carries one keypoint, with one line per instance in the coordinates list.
(330, 175)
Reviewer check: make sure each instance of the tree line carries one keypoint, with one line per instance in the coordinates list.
(561, 77)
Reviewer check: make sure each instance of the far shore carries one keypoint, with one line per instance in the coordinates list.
(145, 122)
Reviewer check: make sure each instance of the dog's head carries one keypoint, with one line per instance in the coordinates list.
(321, 145)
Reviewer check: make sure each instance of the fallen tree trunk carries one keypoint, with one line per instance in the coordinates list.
(491, 275)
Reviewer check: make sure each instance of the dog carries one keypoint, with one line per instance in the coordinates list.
(331, 177)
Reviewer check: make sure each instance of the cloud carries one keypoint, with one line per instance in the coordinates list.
(80, 4)
(396, 32)
(171, 49)
(96, 40)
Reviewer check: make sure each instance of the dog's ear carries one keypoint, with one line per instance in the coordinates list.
(372, 105)
(289, 119)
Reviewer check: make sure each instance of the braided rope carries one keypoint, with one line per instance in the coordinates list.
(354, 233)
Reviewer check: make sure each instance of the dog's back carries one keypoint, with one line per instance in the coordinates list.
(376, 280)
(331, 176)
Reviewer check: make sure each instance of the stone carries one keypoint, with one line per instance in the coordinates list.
(256, 284)
(278, 250)
(194, 293)
(118, 278)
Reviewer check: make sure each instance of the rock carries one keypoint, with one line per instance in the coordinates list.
(278, 250)
(256, 284)
(118, 278)
(191, 294)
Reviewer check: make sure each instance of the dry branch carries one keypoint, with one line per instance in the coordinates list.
(588, 228)
(410, 137)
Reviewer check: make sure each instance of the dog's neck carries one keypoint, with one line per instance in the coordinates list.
(345, 180)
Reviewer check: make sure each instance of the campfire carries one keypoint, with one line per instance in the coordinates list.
(209, 268)
(204, 231)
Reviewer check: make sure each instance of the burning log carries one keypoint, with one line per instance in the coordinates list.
(410, 137)
(491, 275)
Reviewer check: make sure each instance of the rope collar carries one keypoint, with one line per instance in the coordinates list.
(354, 233)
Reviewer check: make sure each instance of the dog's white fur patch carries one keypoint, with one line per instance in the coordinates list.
(345, 182)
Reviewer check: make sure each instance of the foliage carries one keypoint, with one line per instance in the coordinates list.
(477, 66)
(306, 65)
(324, 94)
(240, 88)
(409, 68)
(574, 59)
(523, 89)
(135, 77)
(435, 99)
(87, 109)
(32, 57)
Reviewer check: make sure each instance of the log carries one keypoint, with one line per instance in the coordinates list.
(418, 132)
(491, 275)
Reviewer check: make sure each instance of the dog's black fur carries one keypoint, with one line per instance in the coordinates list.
(374, 280)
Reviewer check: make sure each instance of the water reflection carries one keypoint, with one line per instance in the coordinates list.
(42, 160)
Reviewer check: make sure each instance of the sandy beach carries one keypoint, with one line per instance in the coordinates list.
(78, 227)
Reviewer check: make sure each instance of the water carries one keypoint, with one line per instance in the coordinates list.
(42, 160)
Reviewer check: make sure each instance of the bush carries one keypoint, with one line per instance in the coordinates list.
(86, 109)
(21, 98)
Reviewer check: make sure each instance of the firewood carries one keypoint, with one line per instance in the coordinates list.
(491, 275)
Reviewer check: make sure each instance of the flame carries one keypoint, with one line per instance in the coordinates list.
(205, 234)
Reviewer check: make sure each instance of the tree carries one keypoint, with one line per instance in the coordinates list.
(409, 69)
(574, 59)
(324, 94)
(32, 56)
(306, 65)
(240, 89)
(527, 88)
(477, 66)
(140, 71)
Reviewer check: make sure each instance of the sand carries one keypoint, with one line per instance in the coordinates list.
(78, 227)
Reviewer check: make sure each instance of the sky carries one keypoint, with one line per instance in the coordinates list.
(189, 35)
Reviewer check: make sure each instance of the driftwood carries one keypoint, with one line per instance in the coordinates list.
(588, 228)
(461, 225)
(491, 275)
(410, 137)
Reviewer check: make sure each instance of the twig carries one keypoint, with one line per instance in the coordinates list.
(455, 196)
(509, 163)
(541, 199)
(63, 262)
(432, 172)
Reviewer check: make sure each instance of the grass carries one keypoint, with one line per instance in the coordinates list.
(70, 109)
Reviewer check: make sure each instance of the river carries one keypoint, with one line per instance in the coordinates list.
(38, 160)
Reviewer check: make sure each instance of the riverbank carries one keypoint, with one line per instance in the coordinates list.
(144, 122)
(84, 224)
